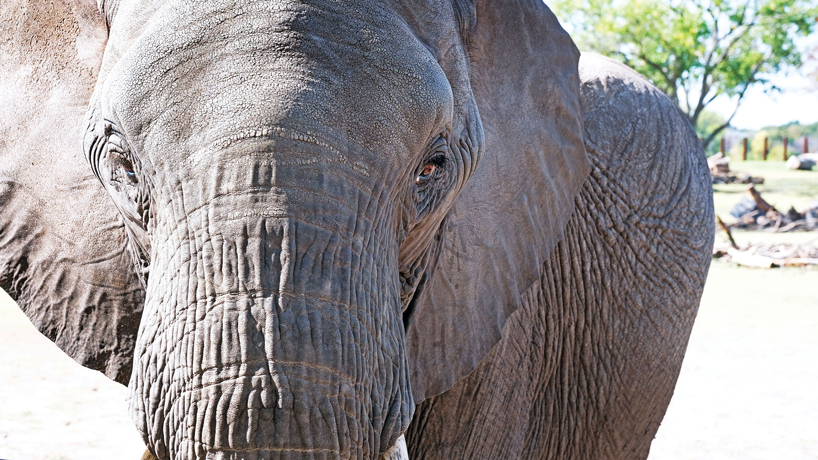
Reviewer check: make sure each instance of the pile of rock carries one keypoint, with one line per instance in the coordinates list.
(757, 214)
(740, 178)
(718, 164)
(764, 255)
(720, 172)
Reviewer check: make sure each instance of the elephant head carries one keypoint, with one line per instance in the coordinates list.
(328, 209)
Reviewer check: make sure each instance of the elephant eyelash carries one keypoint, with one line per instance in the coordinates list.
(439, 160)
(116, 151)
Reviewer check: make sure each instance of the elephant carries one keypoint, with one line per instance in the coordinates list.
(362, 229)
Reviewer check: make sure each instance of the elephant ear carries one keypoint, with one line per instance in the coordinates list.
(512, 213)
(63, 254)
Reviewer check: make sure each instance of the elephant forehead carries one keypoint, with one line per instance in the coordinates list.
(206, 74)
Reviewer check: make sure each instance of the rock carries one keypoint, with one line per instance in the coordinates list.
(792, 214)
(804, 162)
(743, 207)
(718, 164)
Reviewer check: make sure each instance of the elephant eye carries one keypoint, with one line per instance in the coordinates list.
(123, 164)
(430, 167)
(427, 171)
(121, 167)
(128, 167)
(119, 160)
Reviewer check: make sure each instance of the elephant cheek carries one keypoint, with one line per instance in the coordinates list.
(270, 337)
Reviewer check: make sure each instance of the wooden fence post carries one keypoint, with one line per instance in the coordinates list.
(785, 147)
(764, 154)
(744, 149)
(805, 145)
(722, 146)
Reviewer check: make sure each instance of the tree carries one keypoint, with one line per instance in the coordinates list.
(757, 145)
(695, 50)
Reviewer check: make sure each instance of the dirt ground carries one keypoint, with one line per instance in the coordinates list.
(747, 389)
(51, 408)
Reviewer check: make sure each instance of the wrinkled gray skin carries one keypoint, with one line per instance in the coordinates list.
(338, 222)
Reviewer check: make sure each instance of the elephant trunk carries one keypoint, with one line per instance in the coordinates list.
(270, 333)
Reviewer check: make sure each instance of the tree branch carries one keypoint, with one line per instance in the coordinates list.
(704, 90)
(671, 82)
(712, 135)
(723, 55)
(686, 88)
(723, 126)
(710, 65)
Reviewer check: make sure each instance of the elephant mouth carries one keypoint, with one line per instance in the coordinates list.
(398, 451)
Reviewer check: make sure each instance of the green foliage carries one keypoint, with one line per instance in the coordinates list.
(793, 131)
(694, 50)
(756, 150)
(708, 120)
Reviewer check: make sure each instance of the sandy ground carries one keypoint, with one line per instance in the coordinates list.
(749, 385)
(747, 389)
(51, 408)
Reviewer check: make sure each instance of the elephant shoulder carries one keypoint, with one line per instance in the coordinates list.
(637, 140)
(629, 123)
(649, 189)
(602, 78)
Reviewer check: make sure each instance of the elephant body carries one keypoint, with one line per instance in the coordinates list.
(587, 366)
(342, 226)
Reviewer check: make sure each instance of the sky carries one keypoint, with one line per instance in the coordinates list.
(797, 101)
